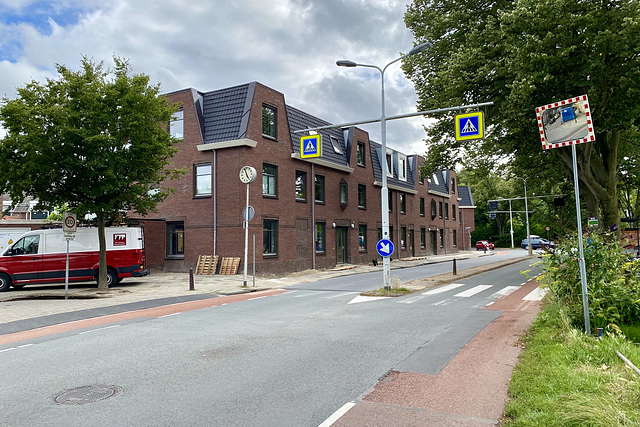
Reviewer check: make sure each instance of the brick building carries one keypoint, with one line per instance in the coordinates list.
(309, 213)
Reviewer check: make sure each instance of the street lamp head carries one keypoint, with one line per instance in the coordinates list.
(346, 63)
(420, 48)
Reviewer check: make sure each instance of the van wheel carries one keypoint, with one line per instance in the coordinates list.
(5, 282)
(112, 278)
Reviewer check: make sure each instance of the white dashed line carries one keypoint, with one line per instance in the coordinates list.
(536, 295)
(336, 415)
(99, 329)
(167, 315)
(471, 292)
(339, 295)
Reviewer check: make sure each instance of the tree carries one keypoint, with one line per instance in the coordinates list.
(94, 139)
(523, 54)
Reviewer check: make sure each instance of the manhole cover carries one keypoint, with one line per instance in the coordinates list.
(86, 394)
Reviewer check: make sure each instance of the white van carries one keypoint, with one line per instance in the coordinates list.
(40, 256)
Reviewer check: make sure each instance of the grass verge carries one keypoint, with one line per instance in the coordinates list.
(393, 292)
(566, 378)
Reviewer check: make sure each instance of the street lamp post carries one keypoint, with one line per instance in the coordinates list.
(386, 264)
(526, 212)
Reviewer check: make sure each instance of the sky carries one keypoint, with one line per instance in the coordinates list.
(289, 45)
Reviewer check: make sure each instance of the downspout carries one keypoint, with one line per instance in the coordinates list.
(313, 215)
(215, 200)
(444, 221)
(398, 222)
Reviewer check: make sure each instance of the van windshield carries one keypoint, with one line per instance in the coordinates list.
(28, 245)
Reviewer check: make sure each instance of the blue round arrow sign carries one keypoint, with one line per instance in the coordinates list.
(384, 247)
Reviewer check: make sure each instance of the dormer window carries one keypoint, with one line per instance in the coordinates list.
(390, 163)
(402, 167)
(336, 145)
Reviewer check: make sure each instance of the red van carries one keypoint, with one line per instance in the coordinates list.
(40, 256)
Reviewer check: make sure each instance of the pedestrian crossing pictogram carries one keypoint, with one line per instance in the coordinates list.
(469, 126)
(310, 146)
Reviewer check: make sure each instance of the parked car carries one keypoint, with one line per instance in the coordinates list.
(537, 243)
(482, 244)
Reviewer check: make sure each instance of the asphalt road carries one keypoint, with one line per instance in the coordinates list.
(288, 359)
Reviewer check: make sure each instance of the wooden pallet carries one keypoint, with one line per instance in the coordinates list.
(207, 264)
(229, 265)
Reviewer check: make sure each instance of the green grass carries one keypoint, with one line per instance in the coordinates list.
(393, 292)
(565, 378)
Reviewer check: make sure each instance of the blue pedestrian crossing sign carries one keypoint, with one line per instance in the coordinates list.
(469, 126)
(384, 247)
(310, 146)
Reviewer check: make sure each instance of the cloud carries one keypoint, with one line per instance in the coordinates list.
(289, 45)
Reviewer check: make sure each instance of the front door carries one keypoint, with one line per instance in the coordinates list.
(433, 240)
(341, 245)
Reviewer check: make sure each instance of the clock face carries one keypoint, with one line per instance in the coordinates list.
(247, 174)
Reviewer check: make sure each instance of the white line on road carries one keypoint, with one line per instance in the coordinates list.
(309, 294)
(536, 295)
(8, 349)
(502, 292)
(471, 292)
(99, 329)
(336, 415)
(442, 289)
(167, 315)
(253, 299)
(411, 300)
(340, 295)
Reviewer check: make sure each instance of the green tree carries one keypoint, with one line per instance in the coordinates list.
(523, 54)
(92, 139)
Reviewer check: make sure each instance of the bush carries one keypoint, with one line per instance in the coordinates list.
(613, 280)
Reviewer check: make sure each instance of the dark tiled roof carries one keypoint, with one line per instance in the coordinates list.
(464, 192)
(226, 112)
(438, 182)
(376, 160)
(300, 120)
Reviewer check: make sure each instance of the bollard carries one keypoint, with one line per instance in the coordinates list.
(191, 287)
(455, 269)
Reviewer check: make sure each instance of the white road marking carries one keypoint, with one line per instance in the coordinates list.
(8, 349)
(411, 300)
(309, 294)
(360, 298)
(471, 292)
(167, 315)
(442, 289)
(25, 345)
(444, 302)
(502, 292)
(340, 295)
(99, 329)
(253, 299)
(336, 415)
(536, 295)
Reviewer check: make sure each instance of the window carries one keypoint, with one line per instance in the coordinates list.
(301, 185)
(421, 206)
(403, 202)
(269, 180)
(433, 209)
(390, 201)
(455, 238)
(389, 163)
(362, 237)
(423, 238)
(269, 121)
(440, 209)
(453, 212)
(175, 239)
(360, 153)
(441, 238)
(27, 245)
(403, 237)
(420, 177)
(320, 237)
(453, 185)
(402, 167)
(344, 194)
(176, 125)
(336, 145)
(319, 188)
(269, 237)
(202, 177)
(446, 211)
(362, 196)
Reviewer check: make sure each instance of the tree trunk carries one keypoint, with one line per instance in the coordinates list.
(102, 271)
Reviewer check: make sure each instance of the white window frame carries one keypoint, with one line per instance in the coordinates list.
(402, 166)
